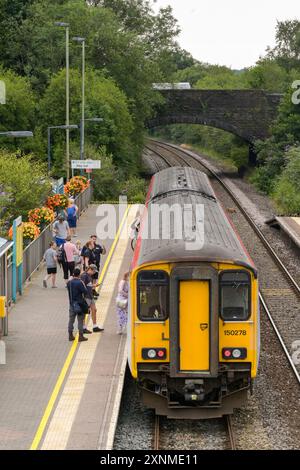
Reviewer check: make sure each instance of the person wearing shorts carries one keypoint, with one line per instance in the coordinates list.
(50, 258)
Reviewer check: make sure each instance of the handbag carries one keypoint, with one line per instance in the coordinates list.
(79, 307)
(122, 303)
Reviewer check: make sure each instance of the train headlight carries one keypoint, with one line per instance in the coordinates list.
(151, 353)
(234, 353)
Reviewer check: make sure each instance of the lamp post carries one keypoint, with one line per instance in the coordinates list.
(66, 26)
(17, 134)
(70, 126)
(82, 42)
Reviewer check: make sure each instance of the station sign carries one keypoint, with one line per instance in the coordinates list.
(86, 164)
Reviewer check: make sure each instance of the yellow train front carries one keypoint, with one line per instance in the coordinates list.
(193, 335)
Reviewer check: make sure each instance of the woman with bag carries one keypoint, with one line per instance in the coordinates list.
(122, 303)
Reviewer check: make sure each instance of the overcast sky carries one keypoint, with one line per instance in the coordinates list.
(229, 32)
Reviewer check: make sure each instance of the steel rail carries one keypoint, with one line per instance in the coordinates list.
(230, 432)
(156, 432)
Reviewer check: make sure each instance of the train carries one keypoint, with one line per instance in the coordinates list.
(193, 316)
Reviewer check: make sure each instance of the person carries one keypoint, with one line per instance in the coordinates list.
(98, 250)
(87, 278)
(71, 213)
(77, 257)
(87, 254)
(68, 262)
(135, 228)
(50, 257)
(77, 292)
(61, 230)
(122, 303)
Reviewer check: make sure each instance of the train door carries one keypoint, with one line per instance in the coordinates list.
(194, 325)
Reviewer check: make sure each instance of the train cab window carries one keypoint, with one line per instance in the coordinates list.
(235, 295)
(153, 295)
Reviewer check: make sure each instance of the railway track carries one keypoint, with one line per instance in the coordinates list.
(282, 314)
(225, 438)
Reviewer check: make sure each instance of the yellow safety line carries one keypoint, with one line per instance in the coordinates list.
(40, 431)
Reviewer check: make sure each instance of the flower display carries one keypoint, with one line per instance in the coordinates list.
(57, 202)
(30, 231)
(41, 216)
(76, 185)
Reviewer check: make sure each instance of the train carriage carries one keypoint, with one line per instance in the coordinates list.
(193, 335)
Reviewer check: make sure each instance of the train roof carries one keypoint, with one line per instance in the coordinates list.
(188, 189)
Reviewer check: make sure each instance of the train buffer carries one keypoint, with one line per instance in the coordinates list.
(56, 394)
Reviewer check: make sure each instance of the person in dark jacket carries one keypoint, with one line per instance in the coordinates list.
(87, 278)
(77, 293)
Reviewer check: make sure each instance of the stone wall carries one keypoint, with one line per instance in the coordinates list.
(246, 113)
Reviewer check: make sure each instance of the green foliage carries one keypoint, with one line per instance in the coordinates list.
(106, 180)
(267, 75)
(134, 188)
(105, 100)
(269, 165)
(220, 78)
(24, 185)
(19, 111)
(287, 188)
(287, 49)
(109, 182)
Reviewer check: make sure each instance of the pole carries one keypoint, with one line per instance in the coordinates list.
(49, 150)
(82, 103)
(67, 105)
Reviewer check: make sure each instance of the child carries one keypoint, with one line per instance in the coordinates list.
(50, 257)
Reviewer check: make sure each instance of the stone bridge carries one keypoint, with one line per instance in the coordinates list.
(245, 113)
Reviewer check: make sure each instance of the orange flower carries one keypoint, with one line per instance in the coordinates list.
(41, 215)
(76, 185)
(30, 231)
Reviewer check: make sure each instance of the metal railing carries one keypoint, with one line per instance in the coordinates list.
(34, 252)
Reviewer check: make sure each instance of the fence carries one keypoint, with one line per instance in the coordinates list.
(33, 253)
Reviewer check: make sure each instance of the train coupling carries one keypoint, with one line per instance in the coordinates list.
(194, 390)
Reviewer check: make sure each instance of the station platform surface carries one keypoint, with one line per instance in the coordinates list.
(56, 394)
(290, 225)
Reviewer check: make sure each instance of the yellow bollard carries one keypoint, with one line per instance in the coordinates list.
(2, 307)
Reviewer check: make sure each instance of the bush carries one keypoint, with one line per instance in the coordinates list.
(287, 186)
(135, 189)
(23, 183)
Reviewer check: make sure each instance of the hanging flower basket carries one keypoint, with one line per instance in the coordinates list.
(41, 216)
(30, 232)
(76, 185)
(57, 202)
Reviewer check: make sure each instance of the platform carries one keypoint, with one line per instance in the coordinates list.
(56, 394)
(290, 225)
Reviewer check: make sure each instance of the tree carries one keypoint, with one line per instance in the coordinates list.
(267, 75)
(19, 111)
(220, 78)
(104, 100)
(287, 49)
(24, 185)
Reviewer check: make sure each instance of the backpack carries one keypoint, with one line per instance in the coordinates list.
(61, 255)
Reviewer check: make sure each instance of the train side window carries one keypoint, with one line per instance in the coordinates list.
(153, 295)
(235, 295)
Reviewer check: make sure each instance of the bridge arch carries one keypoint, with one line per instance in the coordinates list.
(245, 113)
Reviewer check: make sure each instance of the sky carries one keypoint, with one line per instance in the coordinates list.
(229, 32)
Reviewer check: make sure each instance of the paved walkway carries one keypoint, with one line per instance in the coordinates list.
(37, 347)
